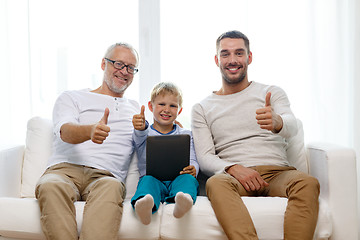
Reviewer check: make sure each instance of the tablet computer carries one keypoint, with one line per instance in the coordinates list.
(167, 155)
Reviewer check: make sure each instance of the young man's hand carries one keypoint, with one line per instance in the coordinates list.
(189, 170)
(249, 178)
(267, 118)
(139, 120)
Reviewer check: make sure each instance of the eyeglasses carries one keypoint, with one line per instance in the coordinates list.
(120, 65)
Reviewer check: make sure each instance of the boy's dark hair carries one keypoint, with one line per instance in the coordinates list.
(233, 34)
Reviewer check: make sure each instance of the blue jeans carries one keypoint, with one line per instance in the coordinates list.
(165, 191)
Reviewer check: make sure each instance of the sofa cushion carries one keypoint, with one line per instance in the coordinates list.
(267, 214)
(37, 151)
(296, 152)
(20, 218)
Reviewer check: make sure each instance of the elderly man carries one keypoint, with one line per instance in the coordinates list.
(92, 151)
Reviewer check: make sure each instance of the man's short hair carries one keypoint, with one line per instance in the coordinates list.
(233, 34)
(166, 87)
(125, 45)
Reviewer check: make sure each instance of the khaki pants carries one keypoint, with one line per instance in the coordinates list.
(62, 185)
(302, 191)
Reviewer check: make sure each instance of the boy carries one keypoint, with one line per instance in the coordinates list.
(166, 105)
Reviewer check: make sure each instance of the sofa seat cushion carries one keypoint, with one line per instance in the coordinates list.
(267, 214)
(20, 218)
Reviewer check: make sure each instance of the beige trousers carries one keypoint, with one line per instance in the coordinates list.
(302, 191)
(63, 184)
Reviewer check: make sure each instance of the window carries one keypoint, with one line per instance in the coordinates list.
(69, 38)
(295, 45)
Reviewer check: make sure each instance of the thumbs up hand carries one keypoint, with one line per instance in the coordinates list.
(100, 130)
(139, 120)
(267, 118)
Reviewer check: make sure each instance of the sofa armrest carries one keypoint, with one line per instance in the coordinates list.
(11, 159)
(335, 168)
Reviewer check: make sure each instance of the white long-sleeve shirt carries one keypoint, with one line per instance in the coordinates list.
(226, 131)
(85, 107)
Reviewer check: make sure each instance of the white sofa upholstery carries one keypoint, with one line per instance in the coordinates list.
(21, 166)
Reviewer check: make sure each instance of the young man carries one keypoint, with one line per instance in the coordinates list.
(166, 105)
(92, 150)
(239, 134)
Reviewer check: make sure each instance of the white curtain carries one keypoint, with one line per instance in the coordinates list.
(356, 80)
(15, 101)
(68, 41)
(330, 72)
(49, 46)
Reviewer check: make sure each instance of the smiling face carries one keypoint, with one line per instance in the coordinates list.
(116, 81)
(165, 108)
(233, 59)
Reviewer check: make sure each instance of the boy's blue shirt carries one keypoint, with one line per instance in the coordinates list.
(139, 138)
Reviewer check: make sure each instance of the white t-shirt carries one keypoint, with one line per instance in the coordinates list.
(85, 107)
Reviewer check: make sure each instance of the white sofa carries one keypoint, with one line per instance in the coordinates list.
(334, 166)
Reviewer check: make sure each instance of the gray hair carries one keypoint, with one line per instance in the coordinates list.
(125, 45)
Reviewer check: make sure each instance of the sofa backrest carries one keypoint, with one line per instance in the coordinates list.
(296, 152)
(39, 146)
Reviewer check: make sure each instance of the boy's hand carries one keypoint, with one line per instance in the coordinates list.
(139, 120)
(189, 170)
